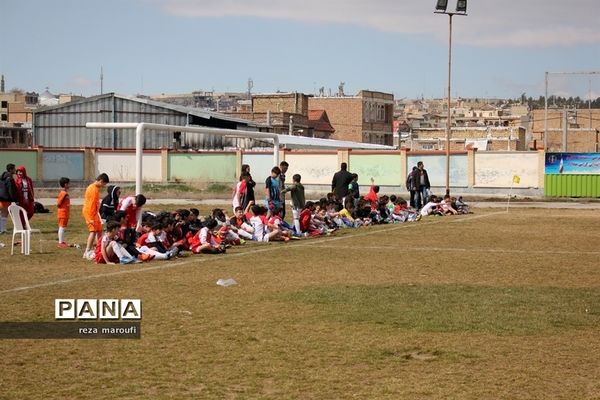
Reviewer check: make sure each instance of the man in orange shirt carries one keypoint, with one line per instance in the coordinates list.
(90, 211)
(63, 211)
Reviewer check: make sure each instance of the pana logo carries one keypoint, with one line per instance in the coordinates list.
(103, 309)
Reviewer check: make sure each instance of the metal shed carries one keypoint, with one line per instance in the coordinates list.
(63, 126)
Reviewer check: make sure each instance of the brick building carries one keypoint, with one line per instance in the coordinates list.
(293, 103)
(17, 107)
(366, 117)
(318, 121)
(278, 121)
(282, 111)
(570, 130)
(482, 138)
(16, 113)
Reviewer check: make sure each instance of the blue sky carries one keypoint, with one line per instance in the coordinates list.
(501, 49)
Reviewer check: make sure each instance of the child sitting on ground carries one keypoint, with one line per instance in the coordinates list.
(446, 206)
(204, 241)
(432, 207)
(345, 214)
(226, 233)
(240, 223)
(259, 223)
(109, 251)
(152, 241)
(461, 206)
(277, 222)
(408, 213)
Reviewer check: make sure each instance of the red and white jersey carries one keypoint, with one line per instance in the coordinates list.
(259, 224)
(240, 189)
(207, 237)
(275, 220)
(133, 214)
(103, 243)
(142, 240)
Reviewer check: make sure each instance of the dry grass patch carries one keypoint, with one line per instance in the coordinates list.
(491, 305)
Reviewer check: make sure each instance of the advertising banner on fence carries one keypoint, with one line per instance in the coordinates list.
(573, 163)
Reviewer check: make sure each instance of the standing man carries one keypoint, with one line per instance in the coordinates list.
(340, 182)
(8, 194)
(423, 183)
(412, 186)
(283, 166)
(91, 214)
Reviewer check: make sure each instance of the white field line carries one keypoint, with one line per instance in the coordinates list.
(195, 259)
(457, 249)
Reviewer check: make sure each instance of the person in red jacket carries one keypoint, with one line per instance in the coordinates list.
(24, 191)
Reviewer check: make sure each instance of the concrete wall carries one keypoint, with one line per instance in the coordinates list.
(260, 165)
(203, 167)
(28, 158)
(470, 172)
(435, 164)
(384, 168)
(63, 163)
(498, 169)
(120, 166)
(314, 168)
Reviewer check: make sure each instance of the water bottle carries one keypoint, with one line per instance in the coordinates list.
(226, 282)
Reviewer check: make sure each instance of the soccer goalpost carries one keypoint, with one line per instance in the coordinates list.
(141, 127)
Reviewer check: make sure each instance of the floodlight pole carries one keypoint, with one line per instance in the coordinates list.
(546, 112)
(449, 115)
(449, 120)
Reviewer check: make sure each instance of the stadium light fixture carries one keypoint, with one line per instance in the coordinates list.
(441, 6)
(461, 6)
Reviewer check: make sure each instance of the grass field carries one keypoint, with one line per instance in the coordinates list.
(492, 305)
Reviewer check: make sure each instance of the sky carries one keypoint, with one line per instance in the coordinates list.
(500, 49)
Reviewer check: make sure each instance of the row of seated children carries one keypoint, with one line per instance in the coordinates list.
(253, 224)
(165, 235)
(122, 243)
(444, 206)
(329, 213)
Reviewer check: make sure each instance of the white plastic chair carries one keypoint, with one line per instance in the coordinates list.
(16, 212)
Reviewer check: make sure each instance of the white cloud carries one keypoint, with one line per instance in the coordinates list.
(490, 23)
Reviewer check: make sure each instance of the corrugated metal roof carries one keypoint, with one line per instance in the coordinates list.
(182, 109)
(64, 125)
